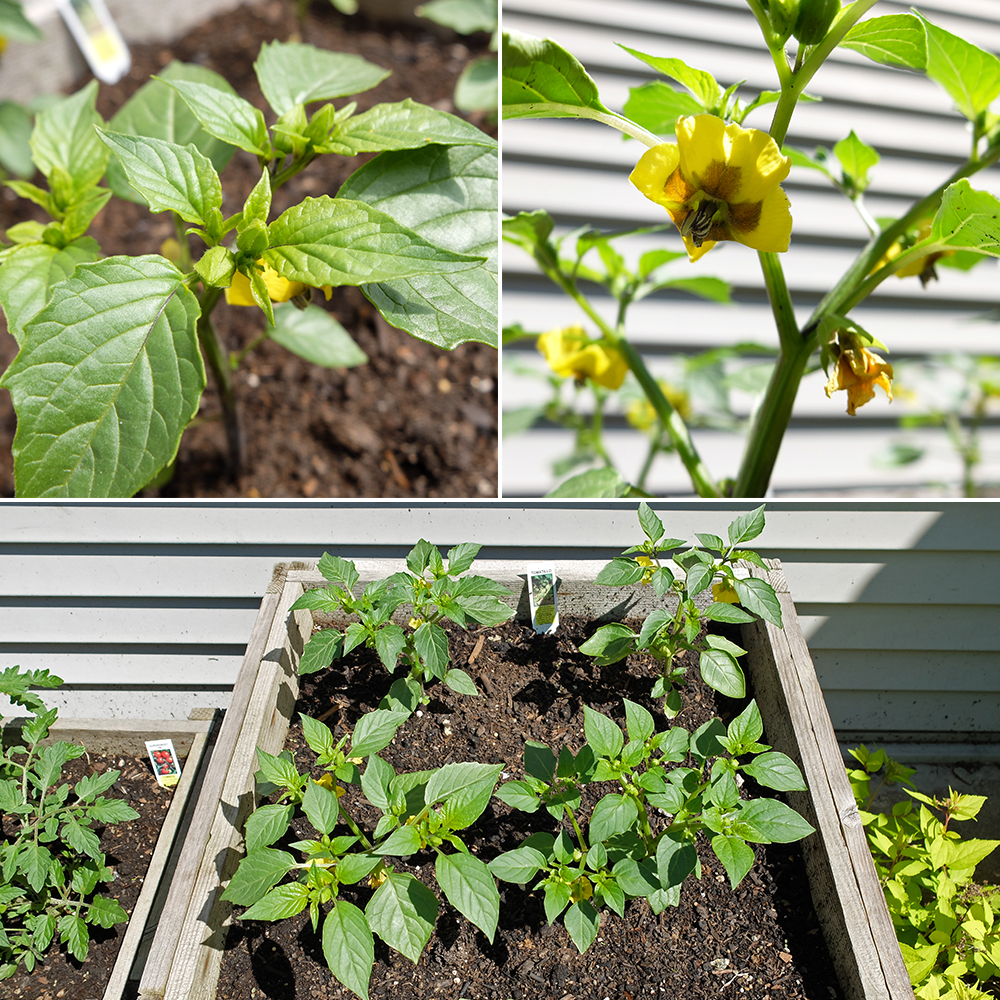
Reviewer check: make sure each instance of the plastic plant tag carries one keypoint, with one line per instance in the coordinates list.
(98, 36)
(542, 598)
(166, 766)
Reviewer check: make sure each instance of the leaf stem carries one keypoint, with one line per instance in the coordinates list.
(218, 362)
(616, 121)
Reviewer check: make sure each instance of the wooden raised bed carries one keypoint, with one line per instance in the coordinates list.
(191, 738)
(186, 955)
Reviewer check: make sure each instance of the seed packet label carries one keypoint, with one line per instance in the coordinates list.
(542, 598)
(98, 37)
(166, 766)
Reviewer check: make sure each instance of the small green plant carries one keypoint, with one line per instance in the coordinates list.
(50, 859)
(622, 856)
(435, 588)
(948, 925)
(669, 631)
(423, 810)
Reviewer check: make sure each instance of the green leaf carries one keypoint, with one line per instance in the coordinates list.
(620, 572)
(389, 642)
(36, 862)
(64, 139)
(327, 241)
(463, 16)
(747, 728)
(156, 111)
(266, 824)
(402, 913)
(893, 40)
(469, 887)
(700, 82)
(721, 672)
(519, 795)
(291, 73)
(107, 378)
(318, 736)
(280, 771)
(638, 722)
(319, 804)
(111, 811)
(27, 275)
(256, 873)
(652, 624)
(557, 897)
(602, 733)
(857, 158)
(610, 643)
(15, 138)
(224, 115)
(540, 79)
(478, 87)
(539, 760)
(583, 922)
(595, 483)
(485, 610)
(462, 556)
(461, 683)
(614, 814)
(403, 841)
(638, 879)
(518, 865)
(280, 902)
(375, 781)
(420, 556)
(768, 821)
(699, 577)
(746, 526)
(776, 770)
(723, 612)
(675, 860)
(171, 178)
(375, 731)
(403, 125)
(650, 523)
(966, 219)
(758, 597)
(465, 790)
(431, 642)
(338, 570)
(14, 25)
(736, 857)
(354, 867)
(448, 196)
(321, 650)
(349, 947)
(82, 839)
(656, 106)
(74, 934)
(970, 74)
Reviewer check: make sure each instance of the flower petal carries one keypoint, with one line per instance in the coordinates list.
(767, 226)
(652, 172)
(238, 293)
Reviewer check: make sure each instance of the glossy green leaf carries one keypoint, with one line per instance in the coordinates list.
(518, 795)
(722, 612)
(27, 275)
(971, 75)
(327, 241)
(652, 624)
(776, 770)
(463, 16)
(894, 40)
(638, 722)
(702, 85)
(403, 125)
(108, 376)
(540, 79)
(256, 874)
(746, 526)
(469, 887)
(768, 821)
(64, 139)
(758, 597)
(620, 572)
(319, 803)
(595, 483)
(403, 841)
(74, 934)
(156, 111)
(478, 87)
(279, 903)
(105, 912)
(448, 195)
(461, 683)
(857, 158)
(614, 814)
(15, 139)
(321, 650)
(656, 106)
(602, 733)
(675, 861)
(36, 862)
(736, 857)
(610, 643)
(402, 913)
(720, 671)
(464, 788)
(224, 115)
(582, 922)
(967, 219)
(375, 781)
(389, 642)
(519, 865)
(292, 73)
(266, 824)
(349, 947)
(171, 178)
(375, 731)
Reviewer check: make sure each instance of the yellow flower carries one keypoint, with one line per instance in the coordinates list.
(922, 267)
(719, 182)
(724, 593)
(582, 889)
(280, 289)
(3, 43)
(644, 561)
(327, 782)
(641, 415)
(858, 371)
(569, 351)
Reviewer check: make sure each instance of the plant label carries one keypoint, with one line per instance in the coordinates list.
(542, 598)
(166, 766)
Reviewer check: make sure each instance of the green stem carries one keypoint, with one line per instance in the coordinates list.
(185, 264)
(295, 167)
(576, 827)
(218, 362)
(616, 121)
(345, 816)
(236, 357)
(651, 453)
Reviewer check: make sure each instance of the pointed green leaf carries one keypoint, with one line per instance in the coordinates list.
(469, 887)
(595, 483)
(970, 74)
(699, 82)
(894, 40)
(461, 683)
(722, 612)
(620, 572)
(403, 841)
(518, 795)
(638, 722)
(27, 275)
(36, 863)
(64, 139)
(224, 115)
(736, 857)
(967, 219)
(747, 526)
(768, 821)
(266, 824)
(389, 642)
(602, 733)
(431, 642)
(583, 922)
(321, 650)
(256, 873)
(280, 902)
(776, 770)
(348, 947)
(465, 790)
(74, 934)
(650, 523)
(312, 333)
(171, 178)
(327, 241)
(15, 139)
(448, 195)
(758, 597)
(106, 381)
(614, 814)
(656, 106)
(375, 781)
(540, 79)
(81, 838)
(291, 73)
(319, 803)
(720, 671)
(375, 731)
(402, 913)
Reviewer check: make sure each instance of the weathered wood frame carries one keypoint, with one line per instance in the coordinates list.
(191, 739)
(187, 953)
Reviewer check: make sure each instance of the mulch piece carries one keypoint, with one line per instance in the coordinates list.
(761, 941)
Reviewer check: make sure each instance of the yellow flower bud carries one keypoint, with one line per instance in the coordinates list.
(278, 288)
(724, 593)
(582, 889)
(570, 352)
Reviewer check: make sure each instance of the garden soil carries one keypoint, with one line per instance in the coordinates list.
(416, 421)
(129, 849)
(759, 941)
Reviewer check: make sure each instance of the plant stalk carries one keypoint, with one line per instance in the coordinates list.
(219, 364)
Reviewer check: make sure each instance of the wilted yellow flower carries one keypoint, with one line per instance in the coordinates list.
(570, 352)
(858, 371)
(719, 182)
(922, 267)
(278, 288)
(582, 889)
(641, 415)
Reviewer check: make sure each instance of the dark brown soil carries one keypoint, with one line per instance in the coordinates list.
(416, 420)
(761, 941)
(128, 847)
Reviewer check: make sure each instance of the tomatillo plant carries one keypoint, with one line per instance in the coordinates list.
(721, 182)
(113, 351)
